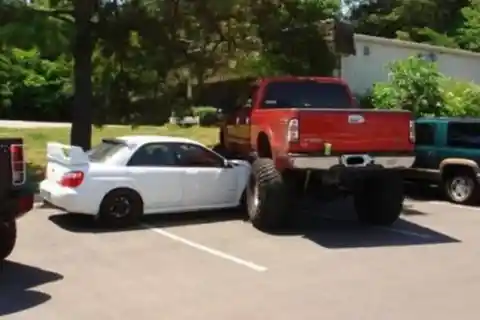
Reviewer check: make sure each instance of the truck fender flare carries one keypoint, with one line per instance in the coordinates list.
(268, 135)
(459, 161)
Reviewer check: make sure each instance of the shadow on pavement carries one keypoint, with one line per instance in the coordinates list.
(331, 225)
(16, 287)
(81, 223)
(423, 192)
(409, 210)
(337, 227)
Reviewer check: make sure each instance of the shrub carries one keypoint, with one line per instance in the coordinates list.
(414, 85)
(364, 101)
(207, 116)
(461, 98)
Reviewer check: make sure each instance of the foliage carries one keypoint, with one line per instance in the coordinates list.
(450, 23)
(33, 88)
(365, 101)
(461, 98)
(413, 85)
(417, 86)
(469, 34)
(131, 61)
(137, 61)
(292, 35)
(207, 116)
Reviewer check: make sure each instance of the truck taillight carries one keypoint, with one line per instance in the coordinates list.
(18, 164)
(412, 131)
(72, 179)
(293, 134)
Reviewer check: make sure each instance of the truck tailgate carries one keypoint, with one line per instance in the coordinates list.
(355, 130)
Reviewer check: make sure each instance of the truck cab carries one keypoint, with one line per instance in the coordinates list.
(308, 129)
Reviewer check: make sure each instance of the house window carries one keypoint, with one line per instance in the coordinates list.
(366, 50)
(432, 57)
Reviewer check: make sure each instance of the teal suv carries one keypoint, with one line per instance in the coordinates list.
(448, 154)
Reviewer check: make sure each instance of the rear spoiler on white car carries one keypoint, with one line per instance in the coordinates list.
(66, 154)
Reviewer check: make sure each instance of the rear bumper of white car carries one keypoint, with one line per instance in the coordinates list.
(65, 198)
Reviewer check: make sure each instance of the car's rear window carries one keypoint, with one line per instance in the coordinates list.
(306, 94)
(104, 150)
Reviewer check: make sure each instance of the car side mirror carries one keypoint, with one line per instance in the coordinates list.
(227, 164)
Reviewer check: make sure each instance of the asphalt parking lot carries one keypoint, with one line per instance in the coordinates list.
(216, 266)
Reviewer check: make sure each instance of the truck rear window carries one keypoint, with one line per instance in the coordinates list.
(104, 150)
(306, 94)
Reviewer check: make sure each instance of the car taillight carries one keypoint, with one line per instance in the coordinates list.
(412, 131)
(72, 179)
(293, 130)
(18, 164)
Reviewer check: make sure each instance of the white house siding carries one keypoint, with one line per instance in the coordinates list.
(369, 65)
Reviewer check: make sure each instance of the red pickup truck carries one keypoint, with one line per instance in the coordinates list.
(300, 132)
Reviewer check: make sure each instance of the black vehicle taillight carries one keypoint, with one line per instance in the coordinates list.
(18, 164)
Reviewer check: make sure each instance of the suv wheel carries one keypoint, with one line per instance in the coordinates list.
(461, 188)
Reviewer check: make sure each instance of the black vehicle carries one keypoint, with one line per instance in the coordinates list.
(448, 154)
(16, 197)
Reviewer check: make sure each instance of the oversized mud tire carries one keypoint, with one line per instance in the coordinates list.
(379, 198)
(8, 238)
(267, 198)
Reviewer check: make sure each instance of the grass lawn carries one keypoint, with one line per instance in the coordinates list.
(35, 140)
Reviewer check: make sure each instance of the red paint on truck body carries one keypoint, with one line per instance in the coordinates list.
(323, 107)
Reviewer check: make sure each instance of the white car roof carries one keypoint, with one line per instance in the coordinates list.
(142, 139)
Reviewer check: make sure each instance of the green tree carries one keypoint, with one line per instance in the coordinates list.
(293, 36)
(469, 34)
(431, 21)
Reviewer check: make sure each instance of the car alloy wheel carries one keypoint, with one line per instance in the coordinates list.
(461, 188)
(120, 207)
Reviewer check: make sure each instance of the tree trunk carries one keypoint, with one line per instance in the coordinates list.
(82, 115)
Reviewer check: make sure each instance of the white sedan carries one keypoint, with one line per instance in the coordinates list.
(121, 179)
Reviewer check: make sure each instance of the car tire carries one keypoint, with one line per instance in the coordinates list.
(8, 238)
(378, 199)
(120, 208)
(461, 187)
(266, 196)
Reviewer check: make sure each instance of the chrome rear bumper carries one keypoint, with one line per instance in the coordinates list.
(328, 162)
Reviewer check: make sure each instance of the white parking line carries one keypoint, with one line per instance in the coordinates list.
(203, 248)
(400, 231)
(405, 232)
(438, 203)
